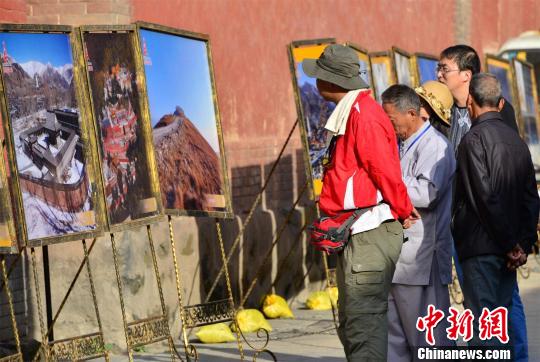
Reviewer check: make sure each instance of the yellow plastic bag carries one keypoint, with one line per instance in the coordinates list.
(251, 320)
(275, 306)
(319, 301)
(215, 333)
(333, 294)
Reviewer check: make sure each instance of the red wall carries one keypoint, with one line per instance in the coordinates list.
(494, 22)
(249, 44)
(13, 11)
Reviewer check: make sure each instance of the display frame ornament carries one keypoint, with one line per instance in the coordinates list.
(154, 198)
(225, 198)
(84, 127)
(294, 48)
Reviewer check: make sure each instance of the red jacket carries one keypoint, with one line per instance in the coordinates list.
(365, 166)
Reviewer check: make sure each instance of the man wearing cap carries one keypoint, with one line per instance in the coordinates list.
(424, 268)
(363, 172)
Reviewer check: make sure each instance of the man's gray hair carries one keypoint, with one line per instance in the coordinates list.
(402, 97)
(485, 90)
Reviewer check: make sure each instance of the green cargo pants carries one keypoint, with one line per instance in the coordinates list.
(364, 275)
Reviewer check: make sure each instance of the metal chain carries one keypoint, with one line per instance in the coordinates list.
(274, 243)
(158, 280)
(229, 287)
(12, 267)
(121, 295)
(40, 310)
(93, 290)
(178, 287)
(11, 309)
(251, 212)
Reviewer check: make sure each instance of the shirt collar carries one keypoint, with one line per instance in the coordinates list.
(487, 116)
(405, 144)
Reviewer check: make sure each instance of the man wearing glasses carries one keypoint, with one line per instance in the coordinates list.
(457, 65)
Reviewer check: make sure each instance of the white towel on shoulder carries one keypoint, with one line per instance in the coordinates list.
(337, 122)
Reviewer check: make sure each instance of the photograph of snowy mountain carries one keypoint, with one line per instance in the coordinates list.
(115, 97)
(184, 122)
(44, 118)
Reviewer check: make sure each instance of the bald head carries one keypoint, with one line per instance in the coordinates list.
(485, 93)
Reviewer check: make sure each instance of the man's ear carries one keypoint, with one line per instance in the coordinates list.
(412, 112)
(468, 75)
(501, 104)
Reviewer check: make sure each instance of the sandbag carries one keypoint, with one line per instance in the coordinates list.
(215, 333)
(274, 306)
(319, 301)
(333, 294)
(251, 320)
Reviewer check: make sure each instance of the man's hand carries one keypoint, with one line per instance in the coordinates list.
(411, 220)
(516, 258)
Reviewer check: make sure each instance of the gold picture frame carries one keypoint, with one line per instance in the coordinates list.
(116, 88)
(365, 64)
(59, 208)
(8, 236)
(403, 67)
(502, 69)
(313, 136)
(383, 73)
(212, 197)
(526, 106)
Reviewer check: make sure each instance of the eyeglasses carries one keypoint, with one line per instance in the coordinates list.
(443, 69)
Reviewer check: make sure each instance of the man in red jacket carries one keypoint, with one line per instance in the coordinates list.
(363, 172)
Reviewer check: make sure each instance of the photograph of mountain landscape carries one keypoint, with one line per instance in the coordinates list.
(57, 198)
(315, 111)
(184, 123)
(110, 59)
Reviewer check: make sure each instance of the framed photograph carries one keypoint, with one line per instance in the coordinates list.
(365, 64)
(502, 69)
(425, 66)
(402, 67)
(47, 132)
(382, 71)
(120, 113)
(313, 110)
(185, 120)
(527, 107)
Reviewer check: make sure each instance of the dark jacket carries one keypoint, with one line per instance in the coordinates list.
(509, 116)
(496, 202)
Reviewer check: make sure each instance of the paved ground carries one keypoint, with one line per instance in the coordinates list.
(312, 337)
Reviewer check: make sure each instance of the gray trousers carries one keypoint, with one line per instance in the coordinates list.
(364, 274)
(408, 302)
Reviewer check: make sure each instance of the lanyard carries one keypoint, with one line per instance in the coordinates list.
(414, 141)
